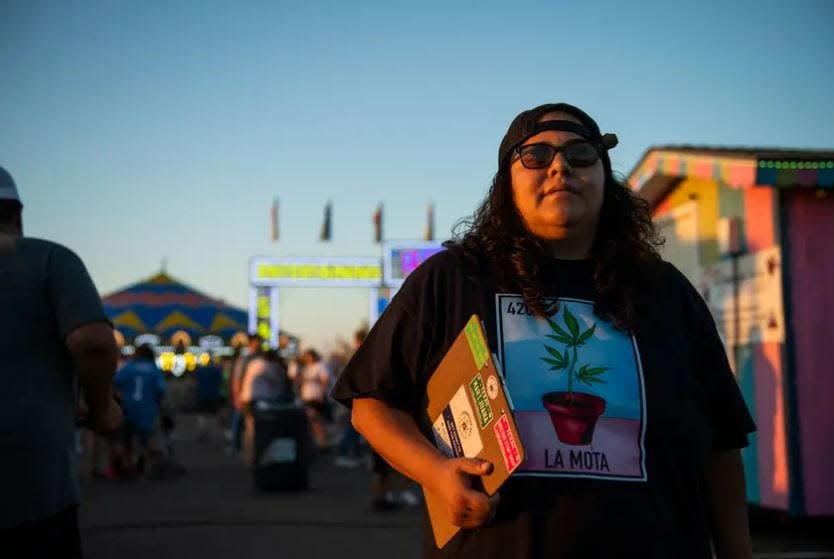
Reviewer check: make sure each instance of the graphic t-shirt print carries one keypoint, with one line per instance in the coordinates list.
(577, 386)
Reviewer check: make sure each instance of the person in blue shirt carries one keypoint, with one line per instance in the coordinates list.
(209, 381)
(142, 386)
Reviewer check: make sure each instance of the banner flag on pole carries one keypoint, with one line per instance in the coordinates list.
(428, 234)
(274, 220)
(325, 227)
(377, 220)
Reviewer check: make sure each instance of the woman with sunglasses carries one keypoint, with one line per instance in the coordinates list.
(629, 414)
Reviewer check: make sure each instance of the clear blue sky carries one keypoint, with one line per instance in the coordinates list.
(138, 131)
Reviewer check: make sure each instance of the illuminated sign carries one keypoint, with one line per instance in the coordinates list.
(180, 337)
(150, 339)
(315, 272)
(402, 258)
(120, 339)
(240, 339)
(210, 342)
(176, 363)
(263, 315)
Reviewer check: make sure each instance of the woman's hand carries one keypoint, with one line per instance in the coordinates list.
(394, 434)
(468, 507)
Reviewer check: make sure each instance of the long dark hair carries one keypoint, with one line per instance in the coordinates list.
(624, 251)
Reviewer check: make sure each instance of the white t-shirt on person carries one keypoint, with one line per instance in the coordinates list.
(315, 381)
(260, 380)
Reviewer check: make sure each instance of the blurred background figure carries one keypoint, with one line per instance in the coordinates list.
(142, 387)
(209, 382)
(264, 380)
(54, 334)
(235, 435)
(348, 453)
(314, 380)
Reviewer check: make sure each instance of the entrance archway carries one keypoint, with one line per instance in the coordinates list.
(381, 276)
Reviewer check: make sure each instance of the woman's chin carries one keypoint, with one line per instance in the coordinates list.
(559, 222)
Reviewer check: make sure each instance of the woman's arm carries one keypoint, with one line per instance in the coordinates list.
(727, 506)
(394, 435)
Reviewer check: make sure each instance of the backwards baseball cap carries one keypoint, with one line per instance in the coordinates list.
(527, 124)
(8, 190)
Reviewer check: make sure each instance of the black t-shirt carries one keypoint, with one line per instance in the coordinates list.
(618, 427)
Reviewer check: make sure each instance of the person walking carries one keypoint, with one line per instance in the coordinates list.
(142, 387)
(209, 378)
(260, 383)
(54, 338)
(314, 380)
(236, 426)
(348, 452)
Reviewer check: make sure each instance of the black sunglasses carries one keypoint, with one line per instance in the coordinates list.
(578, 153)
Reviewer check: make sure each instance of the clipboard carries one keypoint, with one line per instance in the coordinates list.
(471, 415)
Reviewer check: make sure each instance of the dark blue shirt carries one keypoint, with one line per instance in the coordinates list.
(209, 380)
(142, 386)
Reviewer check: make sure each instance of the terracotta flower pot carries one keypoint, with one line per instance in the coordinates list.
(574, 415)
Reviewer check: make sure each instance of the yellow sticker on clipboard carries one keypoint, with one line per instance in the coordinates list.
(477, 343)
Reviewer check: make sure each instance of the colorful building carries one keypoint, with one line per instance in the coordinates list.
(753, 229)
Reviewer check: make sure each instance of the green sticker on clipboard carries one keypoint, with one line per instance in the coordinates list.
(477, 343)
(478, 390)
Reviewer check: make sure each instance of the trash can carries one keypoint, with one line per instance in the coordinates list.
(282, 446)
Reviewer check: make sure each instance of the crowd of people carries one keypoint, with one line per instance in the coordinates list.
(223, 392)
(143, 446)
(279, 376)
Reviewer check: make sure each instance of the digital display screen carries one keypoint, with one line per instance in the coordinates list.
(403, 257)
(405, 260)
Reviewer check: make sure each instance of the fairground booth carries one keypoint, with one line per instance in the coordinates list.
(186, 327)
(753, 230)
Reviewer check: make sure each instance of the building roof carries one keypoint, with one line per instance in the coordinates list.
(162, 305)
(662, 167)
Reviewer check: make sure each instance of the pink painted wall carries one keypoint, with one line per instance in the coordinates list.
(771, 425)
(760, 228)
(811, 246)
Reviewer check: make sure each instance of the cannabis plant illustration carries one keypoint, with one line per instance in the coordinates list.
(567, 359)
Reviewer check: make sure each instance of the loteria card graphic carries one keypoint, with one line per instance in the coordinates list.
(578, 388)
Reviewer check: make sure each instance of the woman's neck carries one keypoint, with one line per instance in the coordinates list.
(569, 249)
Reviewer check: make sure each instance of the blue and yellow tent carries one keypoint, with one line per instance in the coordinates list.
(161, 305)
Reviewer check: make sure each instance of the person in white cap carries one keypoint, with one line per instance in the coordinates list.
(11, 216)
(54, 336)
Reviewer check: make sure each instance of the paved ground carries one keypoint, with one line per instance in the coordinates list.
(213, 512)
